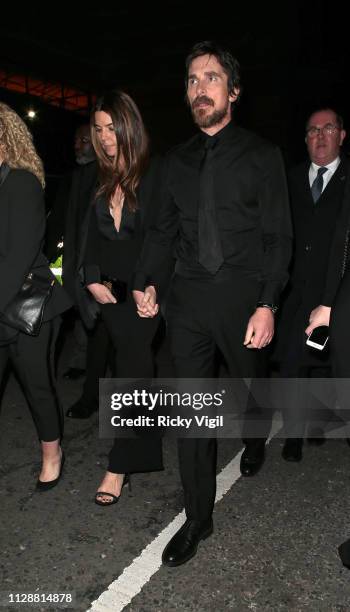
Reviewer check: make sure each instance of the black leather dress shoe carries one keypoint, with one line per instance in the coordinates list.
(344, 553)
(183, 546)
(293, 449)
(252, 459)
(81, 411)
(73, 373)
(316, 436)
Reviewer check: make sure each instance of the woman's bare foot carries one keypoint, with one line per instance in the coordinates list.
(51, 461)
(111, 483)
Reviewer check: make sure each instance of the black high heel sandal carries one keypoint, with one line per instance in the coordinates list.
(115, 498)
(50, 484)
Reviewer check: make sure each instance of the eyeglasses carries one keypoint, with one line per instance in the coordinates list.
(83, 139)
(328, 129)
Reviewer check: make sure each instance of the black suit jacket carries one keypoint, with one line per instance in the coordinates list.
(339, 258)
(22, 227)
(337, 295)
(148, 202)
(314, 229)
(56, 219)
(83, 187)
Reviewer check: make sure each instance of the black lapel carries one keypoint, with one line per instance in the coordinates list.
(336, 180)
(306, 183)
(4, 172)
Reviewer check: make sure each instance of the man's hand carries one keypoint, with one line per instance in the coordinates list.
(260, 329)
(319, 316)
(146, 302)
(101, 293)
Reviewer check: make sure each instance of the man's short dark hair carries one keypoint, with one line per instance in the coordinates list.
(225, 58)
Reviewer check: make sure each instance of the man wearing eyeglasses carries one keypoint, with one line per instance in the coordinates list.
(316, 190)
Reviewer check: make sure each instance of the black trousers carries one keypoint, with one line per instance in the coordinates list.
(98, 356)
(33, 360)
(204, 316)
(132, 339)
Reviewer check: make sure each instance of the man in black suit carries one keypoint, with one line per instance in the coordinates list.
(69, 214)
(71, 201)
(316, 190)
(225, 206)
(83, 188)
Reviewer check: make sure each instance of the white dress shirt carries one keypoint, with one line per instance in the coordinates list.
(331, 168)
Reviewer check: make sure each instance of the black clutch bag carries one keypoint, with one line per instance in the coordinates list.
(118, 288)
(25, 312)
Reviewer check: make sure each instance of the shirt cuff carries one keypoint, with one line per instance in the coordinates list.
(141, 281)
(270, 294)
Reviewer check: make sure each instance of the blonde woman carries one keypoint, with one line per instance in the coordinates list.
(22, 226)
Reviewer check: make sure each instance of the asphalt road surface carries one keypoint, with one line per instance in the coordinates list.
(274, 548)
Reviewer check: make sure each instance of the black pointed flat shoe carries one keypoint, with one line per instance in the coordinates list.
(50, 484)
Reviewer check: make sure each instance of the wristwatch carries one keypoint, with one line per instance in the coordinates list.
(272, 307)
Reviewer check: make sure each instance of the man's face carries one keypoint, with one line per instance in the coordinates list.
(323, 137)
(208, 94)
(84, 151)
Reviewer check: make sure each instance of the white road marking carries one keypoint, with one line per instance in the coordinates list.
(122, 590)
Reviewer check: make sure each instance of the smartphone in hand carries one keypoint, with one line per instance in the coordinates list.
(318, 338)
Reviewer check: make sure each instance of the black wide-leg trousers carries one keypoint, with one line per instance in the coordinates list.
(33, 360)
(132, 339)
(203, 316)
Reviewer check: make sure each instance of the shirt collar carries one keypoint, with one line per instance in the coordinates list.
(332, 166)
(224, 134)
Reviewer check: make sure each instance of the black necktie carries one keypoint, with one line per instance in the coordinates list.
(317, 185)
(209, 245)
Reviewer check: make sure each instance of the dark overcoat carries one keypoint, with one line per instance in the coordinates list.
(314, 227)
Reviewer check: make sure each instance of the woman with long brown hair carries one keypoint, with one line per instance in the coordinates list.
(122, 210)
(22, 227)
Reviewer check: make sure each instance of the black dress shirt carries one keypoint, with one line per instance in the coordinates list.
(251, 208)
(111, 252)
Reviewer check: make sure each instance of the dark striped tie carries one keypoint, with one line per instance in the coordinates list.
(317, 185)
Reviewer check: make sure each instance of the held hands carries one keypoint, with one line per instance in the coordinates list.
(260, 329)
(101, 293)
(319, 316)
(146, 302)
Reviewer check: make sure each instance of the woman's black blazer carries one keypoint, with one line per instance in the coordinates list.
(22, 228)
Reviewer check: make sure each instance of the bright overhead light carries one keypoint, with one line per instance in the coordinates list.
(31, 114)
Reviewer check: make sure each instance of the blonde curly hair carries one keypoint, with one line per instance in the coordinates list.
(16, 144)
